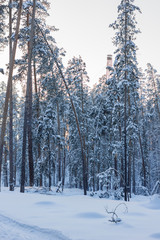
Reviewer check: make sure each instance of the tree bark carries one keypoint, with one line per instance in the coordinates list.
(125, 116)
(11, 181)
(59, 146)
(5, 167)
(38, 114)
(134, 177)
(64, 162)
(143, 162)
(28, 113)
(49, 164)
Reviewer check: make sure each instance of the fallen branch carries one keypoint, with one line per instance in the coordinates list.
(114, 217)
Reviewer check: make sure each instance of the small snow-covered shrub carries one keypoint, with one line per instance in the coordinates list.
(119, 194)
(110, 183)
(92, 194)
(104, 195)
(114, 194)
(59, 187)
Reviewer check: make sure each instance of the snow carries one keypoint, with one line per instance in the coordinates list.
(12, 230)
(70, 215)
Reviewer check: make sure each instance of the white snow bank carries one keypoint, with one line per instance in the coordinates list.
(154, 202)
(81, 217)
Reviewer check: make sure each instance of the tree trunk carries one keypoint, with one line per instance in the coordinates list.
(115, 165)
(28, 113)
(38, 113)
(125, 117)
(5, 167)
(15, 161)
(3, 127)
(143, 162)
(125, 149)
(129, 172)
(49, 164)
(64, 162)
(59, 145)
(134, 177)
(11, 181)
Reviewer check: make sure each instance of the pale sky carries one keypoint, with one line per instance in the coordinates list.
(84, 30)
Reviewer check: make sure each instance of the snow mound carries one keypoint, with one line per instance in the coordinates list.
(137, 214)
(44, 203)
(90, 215)
(154, 202)
(156, 235)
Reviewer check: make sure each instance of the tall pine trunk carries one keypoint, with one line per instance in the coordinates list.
(5, 167)
(134, 175)
(11, 177)
(59, 145)
(39, 183)
(27, 126)
(125, 116)
(64, 161)
(29, 112)
(49, 164)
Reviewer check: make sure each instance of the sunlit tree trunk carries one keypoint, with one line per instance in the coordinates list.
(27, 126)
(11, 180)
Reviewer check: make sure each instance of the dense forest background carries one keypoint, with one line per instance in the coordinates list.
(59, 132)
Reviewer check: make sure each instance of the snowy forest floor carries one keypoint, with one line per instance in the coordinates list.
(72, 216)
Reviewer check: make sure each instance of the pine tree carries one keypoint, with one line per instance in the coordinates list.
(77, 79)
(126, 72)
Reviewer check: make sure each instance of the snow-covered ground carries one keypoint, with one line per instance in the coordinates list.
(35, 216)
